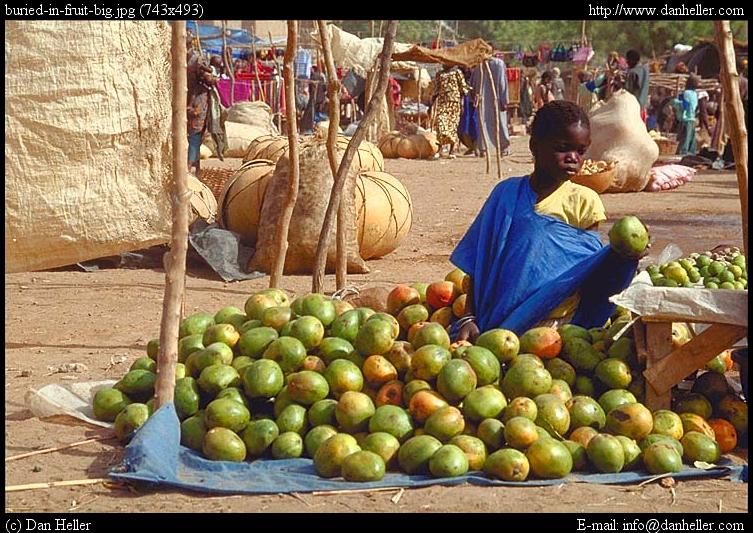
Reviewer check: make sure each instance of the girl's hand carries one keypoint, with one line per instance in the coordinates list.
(468, 332)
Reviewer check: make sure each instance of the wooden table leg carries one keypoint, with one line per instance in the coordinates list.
(669, 371)
(658, 346)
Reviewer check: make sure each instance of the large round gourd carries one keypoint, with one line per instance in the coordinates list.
(368, 157)
(257, 146)
(426, 144)
(242, 197)
(384, 213)
(388, 144)
(407, 148)
(274, 150)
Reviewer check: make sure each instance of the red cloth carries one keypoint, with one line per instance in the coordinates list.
(395, 92)
(644, 115)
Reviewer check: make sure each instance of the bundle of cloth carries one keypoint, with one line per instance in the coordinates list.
(666, 177)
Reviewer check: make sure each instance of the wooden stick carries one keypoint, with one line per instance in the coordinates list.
(256, 71)
(481, 121)
(333, 92)
(225, 56)
(58, 448)
(175, 275)
(354, 491)
(51, 484)
(276, 86)
(320, 262)
(496, 119)
(736, 124)
(287, 210)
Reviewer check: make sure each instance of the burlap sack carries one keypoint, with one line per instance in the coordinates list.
(87, 140)
(239, 137)
(619, 134)
(313, 196)
(257, 114)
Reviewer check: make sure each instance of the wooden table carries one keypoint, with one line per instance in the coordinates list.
(726, 312)
(665, 367)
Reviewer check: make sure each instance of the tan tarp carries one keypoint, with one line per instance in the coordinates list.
(350, 51)
(87, 140)
(467, 54)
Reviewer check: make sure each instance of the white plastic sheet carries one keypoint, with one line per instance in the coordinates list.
(72, 399)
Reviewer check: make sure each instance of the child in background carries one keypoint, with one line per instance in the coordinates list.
(686, 107)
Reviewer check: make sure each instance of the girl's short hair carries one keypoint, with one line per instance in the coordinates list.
(555, 117)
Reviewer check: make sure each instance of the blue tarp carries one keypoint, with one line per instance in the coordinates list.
(155, 456)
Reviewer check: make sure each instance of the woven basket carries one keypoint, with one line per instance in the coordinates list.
(666, 146)
(599, 182)
(215, 178)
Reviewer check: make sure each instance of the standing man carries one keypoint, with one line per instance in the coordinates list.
(636, 82)
(202, 108)
(489, 123)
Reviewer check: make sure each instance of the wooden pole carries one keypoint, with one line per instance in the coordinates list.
(287, 209)
(256, 72)
(333, 92)
(736, 119)
(276, 88)
(320, 262)
(481, 121)
(225, 56)
(175, 259)
(496, 119)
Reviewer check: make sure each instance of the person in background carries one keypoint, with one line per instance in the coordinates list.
(200, 82)
(316, 107)
(469, 128)
(686, 107)
(493, 72)
(558, 84)
(585, 98)
(543, 93)
(637, 80)
(450, 88)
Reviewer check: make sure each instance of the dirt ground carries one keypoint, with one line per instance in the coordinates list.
(67, 316)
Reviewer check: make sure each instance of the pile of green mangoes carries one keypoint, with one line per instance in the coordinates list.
(363, 392)
(724, 270)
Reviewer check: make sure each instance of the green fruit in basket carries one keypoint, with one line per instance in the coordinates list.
(711, 285)
(666, 282)
(656, 280)
(677, 274)
(726, 276)
(727, 285)
(694, 275)
(716, 268)
(653, 270)
(736, 270)
(704, 271)
(687, 264)
(741, 285)
(703, 260)
(739, 260)
(688, 284)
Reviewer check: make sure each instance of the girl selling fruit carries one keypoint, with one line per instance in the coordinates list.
(534, 246)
